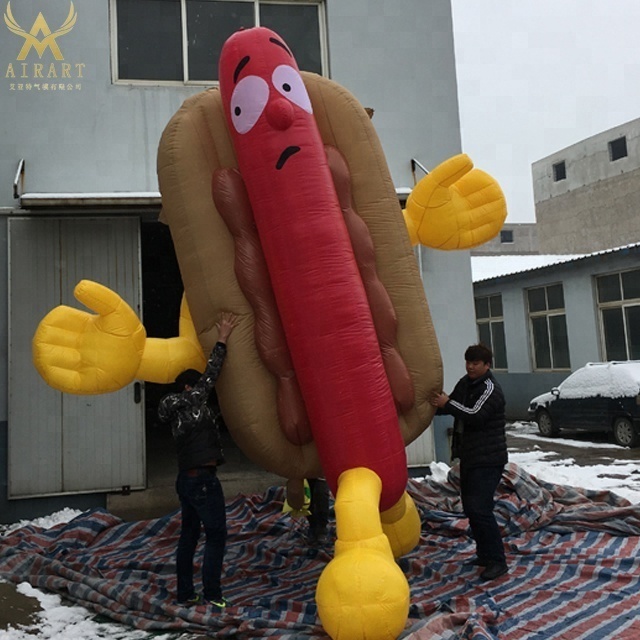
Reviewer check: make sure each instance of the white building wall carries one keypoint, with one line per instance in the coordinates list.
(395, 57)
(398, 58)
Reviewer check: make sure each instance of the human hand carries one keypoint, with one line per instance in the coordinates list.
(225, 325)
(439, 400)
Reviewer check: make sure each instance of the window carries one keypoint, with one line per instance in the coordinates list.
(548, 328)
(180, 40)
(506, 236)
(619, 307)
(490, 325)
(618, 149)
(559, 171)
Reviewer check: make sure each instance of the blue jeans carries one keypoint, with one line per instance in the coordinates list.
(202, 503)
(477, 489)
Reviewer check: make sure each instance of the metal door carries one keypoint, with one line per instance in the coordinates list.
(61, 443)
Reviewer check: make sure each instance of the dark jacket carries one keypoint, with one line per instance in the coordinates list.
(195, 424)
(478, 409)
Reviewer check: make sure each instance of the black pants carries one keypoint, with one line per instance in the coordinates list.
(319, 506)
(477, 489)
(202, 503)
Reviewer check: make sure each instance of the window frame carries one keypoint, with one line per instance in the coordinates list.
(616, 147)
(555, 169)
(494, 322)
(547, 314)
(186, 82)
(507, 236)
(622, 304)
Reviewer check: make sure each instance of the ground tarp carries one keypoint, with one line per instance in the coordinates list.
(574, 559)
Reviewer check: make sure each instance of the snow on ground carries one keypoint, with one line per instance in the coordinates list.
(621, 476)
(46, 522)
(60, 622)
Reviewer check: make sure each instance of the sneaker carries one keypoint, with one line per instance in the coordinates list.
(220, 603)
(193, 601)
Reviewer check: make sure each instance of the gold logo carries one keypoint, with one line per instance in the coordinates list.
(40, 26)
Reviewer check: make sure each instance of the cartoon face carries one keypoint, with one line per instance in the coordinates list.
(266, 103)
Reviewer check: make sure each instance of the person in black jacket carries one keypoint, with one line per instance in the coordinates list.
(478, 407)
(195, 425)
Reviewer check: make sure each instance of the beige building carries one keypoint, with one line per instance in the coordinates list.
(587, 196)
(514, 238)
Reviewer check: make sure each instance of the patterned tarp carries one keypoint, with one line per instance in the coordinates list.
(574, 560)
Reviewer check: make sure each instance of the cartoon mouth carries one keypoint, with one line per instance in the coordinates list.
(285, 155)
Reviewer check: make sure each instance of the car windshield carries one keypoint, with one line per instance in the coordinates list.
(610, 380)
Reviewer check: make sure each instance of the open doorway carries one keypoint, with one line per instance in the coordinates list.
(161, 295)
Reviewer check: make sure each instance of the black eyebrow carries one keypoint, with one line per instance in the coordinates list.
(281, 44)
(241, 65)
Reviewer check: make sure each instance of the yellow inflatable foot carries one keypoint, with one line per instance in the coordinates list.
(362, 594)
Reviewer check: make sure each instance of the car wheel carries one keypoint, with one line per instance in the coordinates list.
(545, 424)
(624, 433)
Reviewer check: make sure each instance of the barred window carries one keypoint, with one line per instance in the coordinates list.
(548, 328)
(490, 324)
(180, 40)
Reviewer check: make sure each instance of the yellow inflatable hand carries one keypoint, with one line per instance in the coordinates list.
(165, 358)
(455, 206)
(83, 353)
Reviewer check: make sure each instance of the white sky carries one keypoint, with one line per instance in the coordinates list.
(535, 76)
(59, 622)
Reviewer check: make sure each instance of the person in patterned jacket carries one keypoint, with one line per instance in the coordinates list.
(195, 424)
(478, 407)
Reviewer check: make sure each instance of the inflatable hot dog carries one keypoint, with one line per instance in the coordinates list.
(319, 292)
(325, 314)
(220, 266)
(334, 358)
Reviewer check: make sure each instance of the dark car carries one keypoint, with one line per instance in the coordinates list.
(601, 396)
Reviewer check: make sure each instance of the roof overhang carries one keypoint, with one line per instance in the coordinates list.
(90, 200)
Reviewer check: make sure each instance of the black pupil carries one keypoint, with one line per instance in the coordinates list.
(237, 111)
(286, 86)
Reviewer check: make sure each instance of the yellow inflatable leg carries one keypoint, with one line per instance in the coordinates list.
(362, 594)
(401, 524)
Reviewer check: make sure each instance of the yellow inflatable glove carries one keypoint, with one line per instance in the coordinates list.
(84, 353)
(455, 207)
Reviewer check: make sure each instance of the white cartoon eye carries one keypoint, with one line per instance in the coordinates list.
(247, 102)
(288, 82)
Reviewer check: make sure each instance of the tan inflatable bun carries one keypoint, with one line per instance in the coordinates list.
(195, 143)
